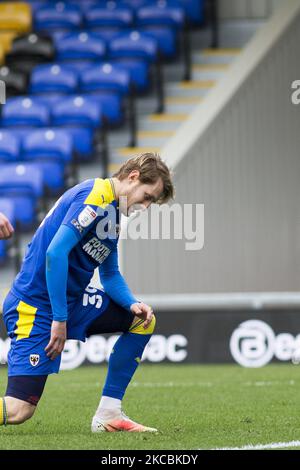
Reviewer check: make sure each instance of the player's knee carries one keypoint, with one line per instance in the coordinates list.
(18, 411)
(138, 327)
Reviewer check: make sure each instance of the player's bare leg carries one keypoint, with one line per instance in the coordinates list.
(15, 411)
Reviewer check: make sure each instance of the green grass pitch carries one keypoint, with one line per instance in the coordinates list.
(193, 406)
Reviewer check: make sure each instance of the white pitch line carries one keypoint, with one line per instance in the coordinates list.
(273, 445)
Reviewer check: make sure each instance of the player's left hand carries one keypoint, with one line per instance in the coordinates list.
(57, 340)
(143, 310)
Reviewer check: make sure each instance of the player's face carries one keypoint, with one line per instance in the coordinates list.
(140, 196)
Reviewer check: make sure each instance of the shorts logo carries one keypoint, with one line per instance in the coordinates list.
(34, 359)
(87, 216)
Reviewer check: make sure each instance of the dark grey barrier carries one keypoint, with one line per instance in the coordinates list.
(251, 338)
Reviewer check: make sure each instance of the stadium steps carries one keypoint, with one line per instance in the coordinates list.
(181, 97)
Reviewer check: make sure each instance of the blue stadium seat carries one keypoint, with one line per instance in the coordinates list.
(80, 65)
(107, 76)
(112, 107)
(135, 4)
(166, 38)
(36, 4)
(82, 117)
(26, 112)
(9, 146)
(163, 21)
(167, 22)
(80, 46)
(161, 13)
(87, 4)
(7, 208)
(59, 15)
(53, 78)
(23, 185)
(134, 44)
(109, 15)
(111, 78)
(194, 10)
(48, 99)
(77, 111)
(139, 46)
(52, 150)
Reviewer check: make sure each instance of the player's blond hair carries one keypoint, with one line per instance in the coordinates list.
(151, 168)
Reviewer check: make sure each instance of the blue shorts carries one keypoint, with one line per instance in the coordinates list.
(29, 329)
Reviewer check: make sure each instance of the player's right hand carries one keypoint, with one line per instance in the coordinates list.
(6, 229)
(57, 340)
(144, 311)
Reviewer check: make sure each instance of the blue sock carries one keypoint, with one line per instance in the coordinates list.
(123, 362)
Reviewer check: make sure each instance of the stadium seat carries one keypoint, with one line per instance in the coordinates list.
(77, 111)
(112, 78)
(9, 146)
(80, 46)
(160, 13)
(30, 50)
(162, 19)
(87, 4)
(15, 16)
(194, 10)
(53, 78)
(139, 73)
(36, 4)
(6, 39)
(163, 22)
(7, 208)
(2, 54)
(25, 112)
(166, 38)
(58, 15)
(16, 82)
(139, 46)
(48, 99)
(23, 185)
(134, 44)
(52, 150)
(135, 4)
(106, 76)
(82, 117)
(109, 15)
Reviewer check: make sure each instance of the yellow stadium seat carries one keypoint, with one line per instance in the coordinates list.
(15, 17)
(2, 55)
(6, 39)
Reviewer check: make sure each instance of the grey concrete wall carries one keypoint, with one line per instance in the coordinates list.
(239, 155)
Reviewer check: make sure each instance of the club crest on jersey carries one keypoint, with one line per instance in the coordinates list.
(87, 216)
(34, 359)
